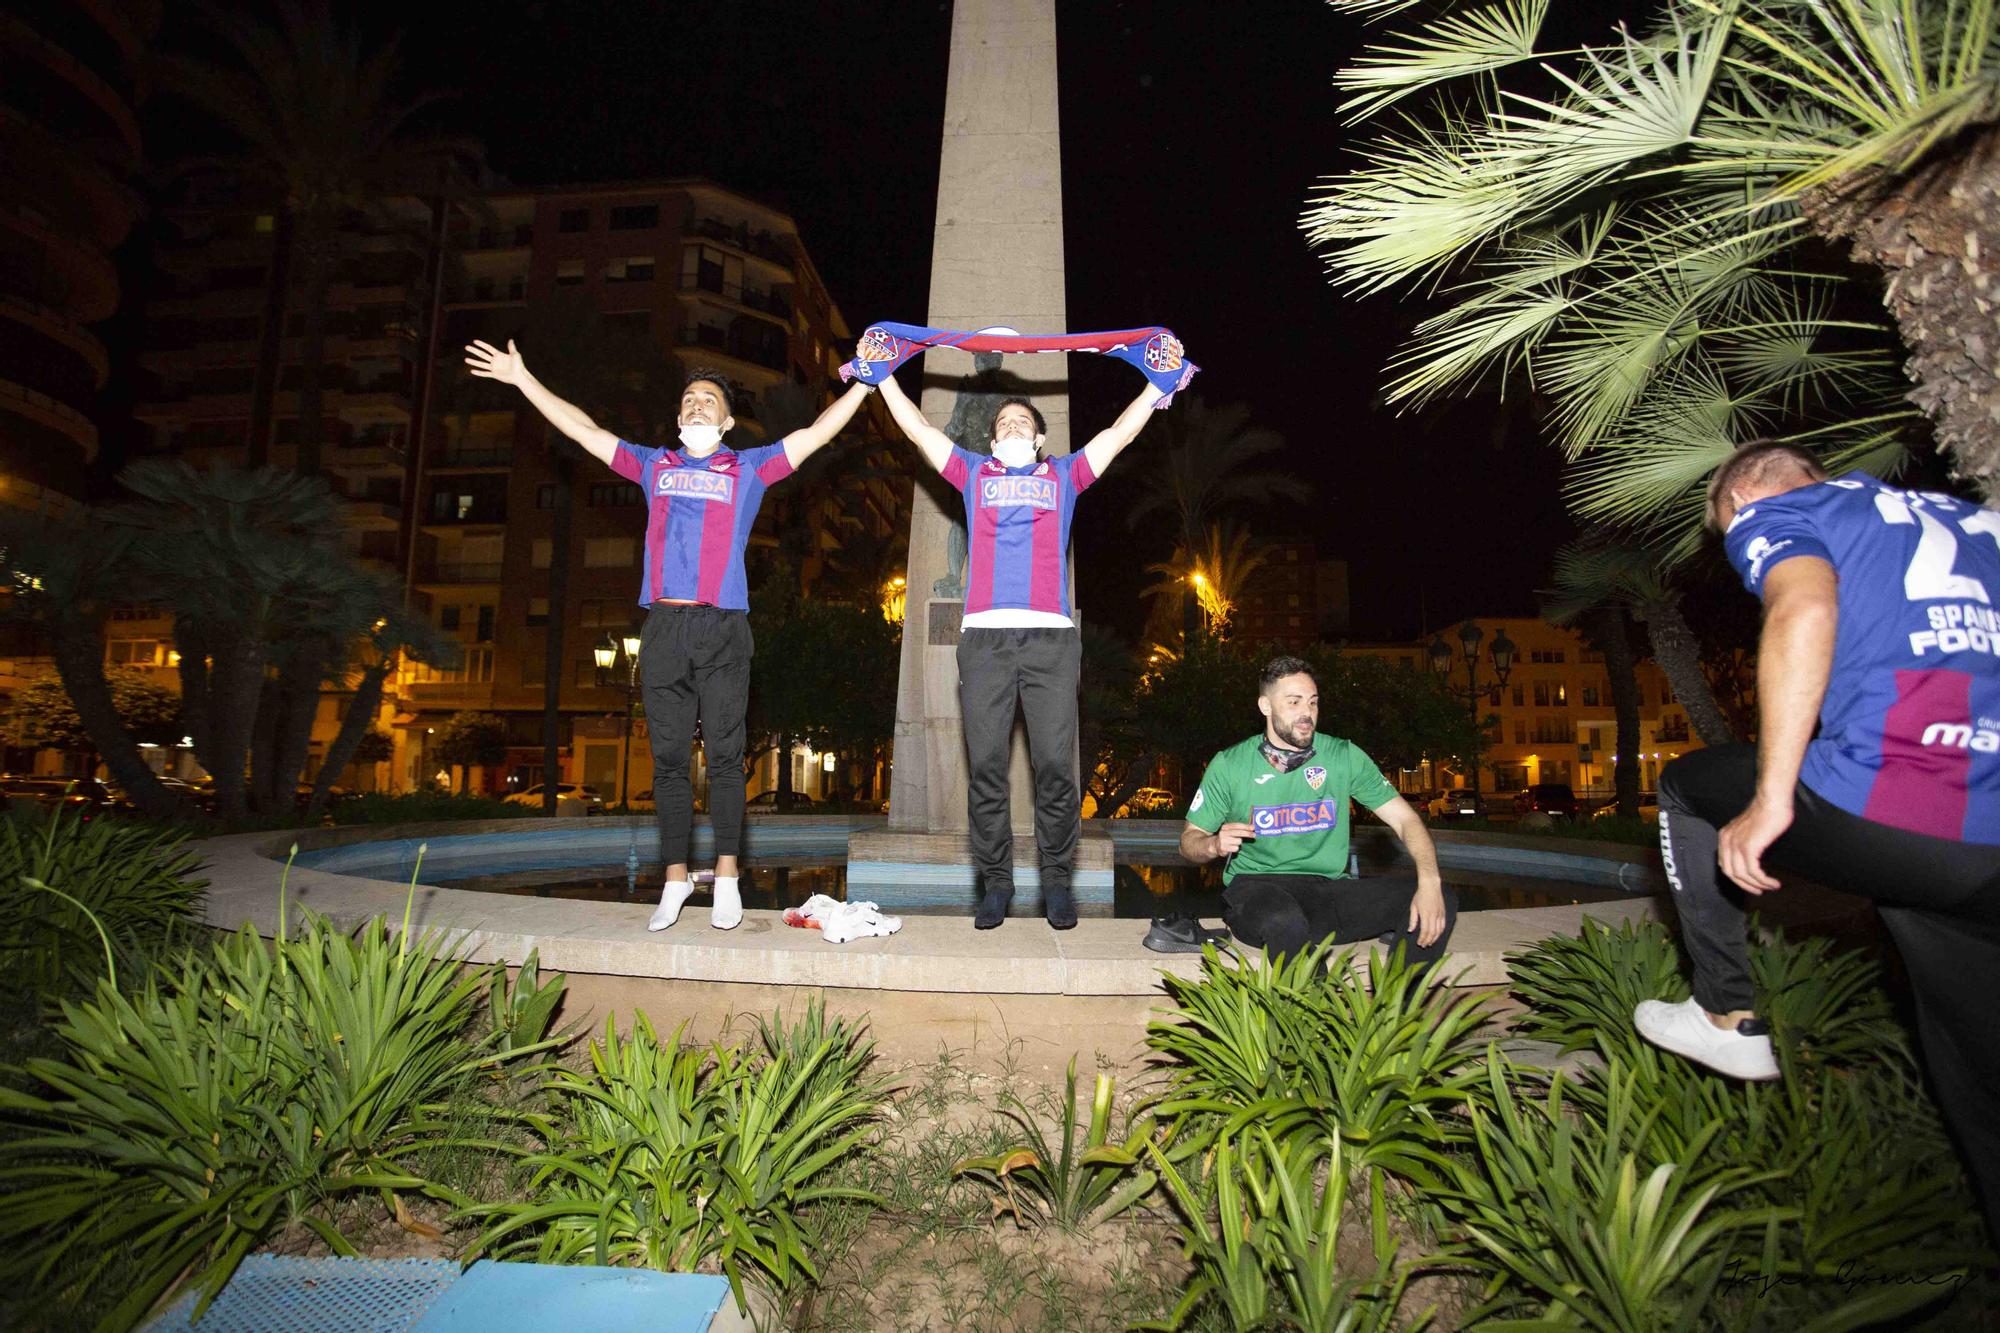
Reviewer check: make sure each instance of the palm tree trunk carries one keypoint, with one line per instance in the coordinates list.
(79, 656)
(315, 262)
(263, 736)
(192, 645)
(784, 790)
(360, 715)
(1610, 634)
(236, 681)
(271, 341)
(1936, 233)
(564, 470)
(298, 706)
(1678, 652)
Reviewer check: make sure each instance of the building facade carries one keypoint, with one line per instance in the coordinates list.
(1555, 722)
(1295, 598)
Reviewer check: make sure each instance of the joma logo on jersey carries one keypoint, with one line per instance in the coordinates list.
(1958, 736)
(1007, 492)
(1273, 821)
(688, 484)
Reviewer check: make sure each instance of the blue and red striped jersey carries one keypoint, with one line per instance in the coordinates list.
(1017, 529)
(1910, 729)
(698, 517)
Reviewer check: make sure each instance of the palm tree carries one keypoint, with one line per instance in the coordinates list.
(326, 135)
(394, 635)
(1211, 575)
(1204, 463)
(1630, 233)
(1600, 571)
(62, 575)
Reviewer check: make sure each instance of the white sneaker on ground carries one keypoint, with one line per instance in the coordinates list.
(673, 897)
(727, 914)
(1685, 1030)
(854, 921)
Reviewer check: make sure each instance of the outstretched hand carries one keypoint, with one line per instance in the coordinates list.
(490, 363)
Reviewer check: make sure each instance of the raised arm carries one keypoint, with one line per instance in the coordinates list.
(1427, 903)
(490, 363)
(802, 444)
(933, 443)
(1108, 443)
(1794, 662)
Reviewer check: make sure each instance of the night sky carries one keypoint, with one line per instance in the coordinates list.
(1192, 134)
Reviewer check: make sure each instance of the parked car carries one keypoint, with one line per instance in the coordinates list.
(1458, 803)
(1649, 808)
(1146, 800)
(1420, 801)
(768, 800)
(571, 799)
(1554, 799)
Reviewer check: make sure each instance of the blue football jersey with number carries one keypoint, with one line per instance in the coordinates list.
(1910, 730)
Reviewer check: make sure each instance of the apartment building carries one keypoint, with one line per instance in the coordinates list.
(453, 490)
(1555, 719)
(1293, 599)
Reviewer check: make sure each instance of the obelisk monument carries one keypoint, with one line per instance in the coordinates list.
(996, 259)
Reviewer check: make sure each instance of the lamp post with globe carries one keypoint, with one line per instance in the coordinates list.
(608, 655)
(1501, 657)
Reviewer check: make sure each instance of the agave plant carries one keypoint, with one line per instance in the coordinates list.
(242, 1089)
(1581, 989)
(1625, 227)
(1072, 1181)
(673, 1156)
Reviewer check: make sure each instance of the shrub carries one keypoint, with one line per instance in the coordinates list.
(1072, 1181)
(677, 1156)
(244, 1088)
(71, 893)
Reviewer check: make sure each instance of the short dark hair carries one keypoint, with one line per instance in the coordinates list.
(709, 375)
(1278, 668)
(1752, 464)
(993, 429)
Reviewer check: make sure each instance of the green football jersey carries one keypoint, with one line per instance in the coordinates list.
(1301, 817)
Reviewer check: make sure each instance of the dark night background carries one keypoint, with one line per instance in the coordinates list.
(1192, 135)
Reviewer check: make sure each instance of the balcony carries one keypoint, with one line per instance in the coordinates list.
(471, 457)
(762, 245)
(1678, 735)
(708, 281)
(459, 574)
(374, 512)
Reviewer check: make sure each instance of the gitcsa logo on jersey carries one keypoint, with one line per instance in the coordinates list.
(1017, 492)
(1274, 821)
(691, 484)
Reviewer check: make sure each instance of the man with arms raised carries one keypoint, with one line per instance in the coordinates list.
(694, 659)
(1880, 627)
(1276, 807)
(1018, 645)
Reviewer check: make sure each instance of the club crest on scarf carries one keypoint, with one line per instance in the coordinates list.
(1164, 352)
(1315, 777)
(878, 349)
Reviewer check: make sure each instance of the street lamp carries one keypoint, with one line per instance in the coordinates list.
(607, 655)
(1470, 636)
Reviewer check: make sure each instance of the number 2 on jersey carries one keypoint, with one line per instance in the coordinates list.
(1929, 577)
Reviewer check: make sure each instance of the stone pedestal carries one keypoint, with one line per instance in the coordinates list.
(997, 259)
(902, 871)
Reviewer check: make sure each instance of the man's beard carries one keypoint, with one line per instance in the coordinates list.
(1288, 733)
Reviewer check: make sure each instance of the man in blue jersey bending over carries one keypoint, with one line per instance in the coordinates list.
(1880, 625)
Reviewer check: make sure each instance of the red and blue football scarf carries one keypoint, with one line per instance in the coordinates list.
(1155, 351)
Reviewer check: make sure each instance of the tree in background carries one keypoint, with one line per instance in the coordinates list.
(1624, 227)
(1211, 576)
(326, 134)
(469, 740)
(1205, 464)
(42, 716)
(1117, 758)
(824, 675)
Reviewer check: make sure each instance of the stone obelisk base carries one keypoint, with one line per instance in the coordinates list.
(915, 871)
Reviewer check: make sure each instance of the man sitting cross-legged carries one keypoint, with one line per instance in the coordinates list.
(1276, 806)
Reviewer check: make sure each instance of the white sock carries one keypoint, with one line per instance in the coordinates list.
(673, 896)
(727, 914)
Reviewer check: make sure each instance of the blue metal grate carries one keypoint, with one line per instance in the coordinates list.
(270, 1294)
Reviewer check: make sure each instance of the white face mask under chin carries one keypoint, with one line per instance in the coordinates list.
(700, 436)
(1014, 452)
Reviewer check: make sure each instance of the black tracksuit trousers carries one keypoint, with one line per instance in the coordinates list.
(1940, 900)
(1036, 670)
(694, 666)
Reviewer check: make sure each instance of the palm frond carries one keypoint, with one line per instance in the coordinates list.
(1452, 47)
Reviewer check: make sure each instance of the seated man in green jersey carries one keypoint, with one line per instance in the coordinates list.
(1276, 806)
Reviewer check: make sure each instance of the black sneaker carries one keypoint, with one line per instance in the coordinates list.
(1178, 932)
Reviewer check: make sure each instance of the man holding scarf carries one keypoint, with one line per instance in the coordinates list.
(1276, 807)
(1018, 645)
(694, 659)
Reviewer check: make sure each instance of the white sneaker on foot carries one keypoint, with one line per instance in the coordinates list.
(673, 897)
(1685, 1030)
(727, 914)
